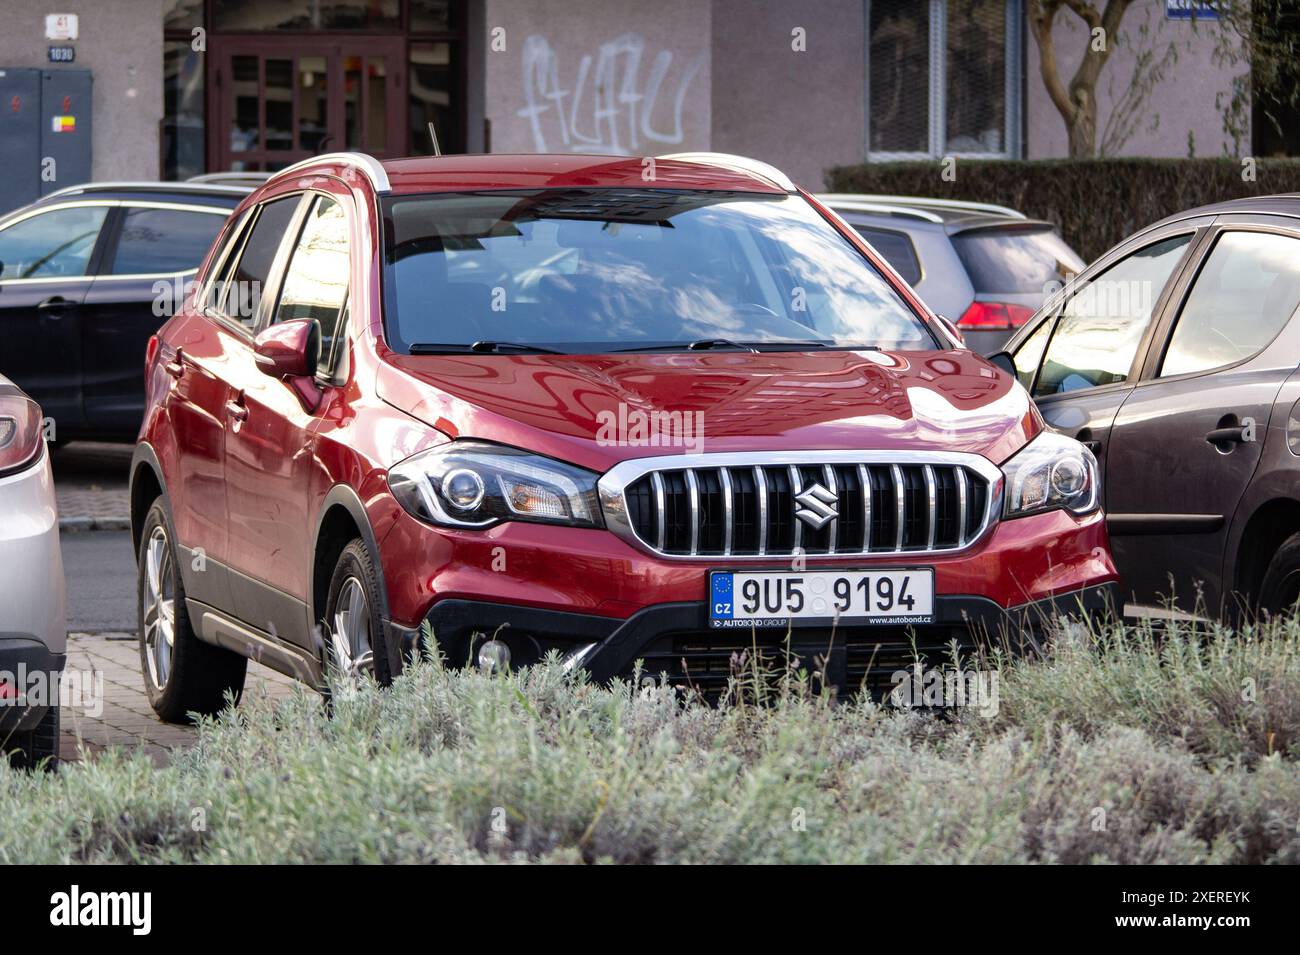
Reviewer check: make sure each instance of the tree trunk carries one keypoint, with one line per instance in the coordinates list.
(1082, 126)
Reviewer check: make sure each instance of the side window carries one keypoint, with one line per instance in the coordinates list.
(1102, 324)
(248, 279)
(160, 241)
(1246, 291)
(1030, 353)
(51, 244)
(224, 264)
(896, 249)
(316, 282)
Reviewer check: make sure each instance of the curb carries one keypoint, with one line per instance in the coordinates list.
(77, 524)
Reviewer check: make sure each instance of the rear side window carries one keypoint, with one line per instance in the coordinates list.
(1016, 260)
(51, 244)
(248, 280)
(159, 241)
(896, 249)
(1246, 291)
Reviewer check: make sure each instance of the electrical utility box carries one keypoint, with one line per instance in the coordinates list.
(45, 132)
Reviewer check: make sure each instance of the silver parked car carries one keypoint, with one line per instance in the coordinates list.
(985, 267)
(33, 627)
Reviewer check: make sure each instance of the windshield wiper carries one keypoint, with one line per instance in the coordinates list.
(480, 348)
(711, 344)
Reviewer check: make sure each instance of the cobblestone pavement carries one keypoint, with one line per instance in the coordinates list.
(125, 718)
(90, 480)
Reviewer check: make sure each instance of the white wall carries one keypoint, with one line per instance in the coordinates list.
(1182, 103)
(120, 41)
(619, 76)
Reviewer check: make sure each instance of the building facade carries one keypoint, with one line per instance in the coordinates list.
(183, 87)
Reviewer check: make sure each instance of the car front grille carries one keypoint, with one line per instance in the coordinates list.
(940, 502)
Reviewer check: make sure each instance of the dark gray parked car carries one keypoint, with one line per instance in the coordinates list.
(985, 267)
(1174, 357)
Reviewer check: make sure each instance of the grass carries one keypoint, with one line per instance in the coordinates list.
(1122, 747)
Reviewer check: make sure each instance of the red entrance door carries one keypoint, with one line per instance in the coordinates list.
(275, 100)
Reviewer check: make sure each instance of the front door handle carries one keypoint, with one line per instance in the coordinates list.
(1236, 434)
(236, 408)
(55, 306)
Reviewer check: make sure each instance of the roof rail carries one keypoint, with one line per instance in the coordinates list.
(851, 204)
(226, 177)
(923, 202)
(753, 167)
(149, 186)
(368, 166)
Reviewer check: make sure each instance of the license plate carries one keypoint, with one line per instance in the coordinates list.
(780, 598)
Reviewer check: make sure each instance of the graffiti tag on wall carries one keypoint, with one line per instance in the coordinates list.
(614, 101)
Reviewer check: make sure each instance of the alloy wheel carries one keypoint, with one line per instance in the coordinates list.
(158, 608)
(350, 635)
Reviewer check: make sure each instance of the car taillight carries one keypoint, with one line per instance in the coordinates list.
(20, 432)
(987, 316)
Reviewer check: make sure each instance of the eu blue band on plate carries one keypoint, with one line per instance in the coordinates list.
(720, 596)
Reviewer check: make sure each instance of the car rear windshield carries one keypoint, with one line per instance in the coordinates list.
(601, 270)
(1016, 260)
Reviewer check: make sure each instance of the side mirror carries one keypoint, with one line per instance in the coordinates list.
(952, 328)
(1004, 361)
(289, 349)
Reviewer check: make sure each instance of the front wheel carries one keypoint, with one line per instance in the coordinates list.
(182, 674)
(355, 643)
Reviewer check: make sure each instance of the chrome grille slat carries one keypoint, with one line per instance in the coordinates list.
(694, 488)
(942, 502)
(828, 475)
(728, 512)
(961, 506)
(657, 480)
(932, 502)
(864, 478)
(795, 488)
(900, 503)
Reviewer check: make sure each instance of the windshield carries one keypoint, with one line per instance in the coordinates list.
(601, 270)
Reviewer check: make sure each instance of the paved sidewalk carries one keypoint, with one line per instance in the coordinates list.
(126, 718)
(90, 480)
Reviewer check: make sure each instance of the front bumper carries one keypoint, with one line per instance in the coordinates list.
(542, 588)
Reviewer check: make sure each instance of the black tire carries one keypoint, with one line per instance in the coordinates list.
(1280, 588)
(355, 564)
(38, 748)
(197, 675)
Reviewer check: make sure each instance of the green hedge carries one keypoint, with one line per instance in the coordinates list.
(1094, 202)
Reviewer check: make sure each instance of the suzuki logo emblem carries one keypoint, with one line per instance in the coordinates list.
(819, 506)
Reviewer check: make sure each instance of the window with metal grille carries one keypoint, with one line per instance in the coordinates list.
(944, 78)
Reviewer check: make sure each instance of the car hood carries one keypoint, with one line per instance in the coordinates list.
(597, 410)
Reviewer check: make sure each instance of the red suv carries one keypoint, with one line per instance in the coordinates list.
(614, 409)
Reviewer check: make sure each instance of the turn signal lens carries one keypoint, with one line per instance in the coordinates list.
(20, 432)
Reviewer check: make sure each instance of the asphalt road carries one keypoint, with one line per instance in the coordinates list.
(100, 570)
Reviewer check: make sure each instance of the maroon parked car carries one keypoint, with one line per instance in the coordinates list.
(1173, 356)
(550, 403)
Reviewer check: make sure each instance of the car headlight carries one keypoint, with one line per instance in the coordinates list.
(1051, 471)
(475, 484)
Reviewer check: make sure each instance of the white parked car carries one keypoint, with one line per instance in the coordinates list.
(33, 621)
